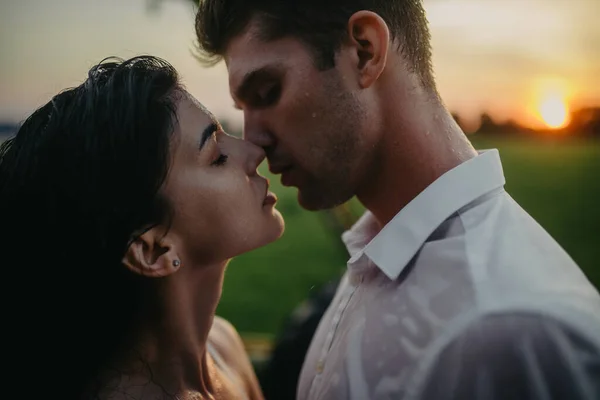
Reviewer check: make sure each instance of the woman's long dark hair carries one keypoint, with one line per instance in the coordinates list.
(81, 176)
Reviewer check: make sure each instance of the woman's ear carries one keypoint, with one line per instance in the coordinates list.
(152, 254)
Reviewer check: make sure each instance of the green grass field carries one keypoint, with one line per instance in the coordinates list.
(556, 181)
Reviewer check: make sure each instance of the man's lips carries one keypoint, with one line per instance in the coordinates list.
(278, 169)
(286, 172)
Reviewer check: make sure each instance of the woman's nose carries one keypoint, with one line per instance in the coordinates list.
(256, 155)
(247, 154)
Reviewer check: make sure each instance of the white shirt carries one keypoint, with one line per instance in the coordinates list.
(462, 295)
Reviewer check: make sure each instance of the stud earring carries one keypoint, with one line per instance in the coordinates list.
(176, 263)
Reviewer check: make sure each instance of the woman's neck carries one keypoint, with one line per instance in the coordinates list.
(170, 355)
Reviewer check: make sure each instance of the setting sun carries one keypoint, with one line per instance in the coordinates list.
(554, 111)
(550, 102)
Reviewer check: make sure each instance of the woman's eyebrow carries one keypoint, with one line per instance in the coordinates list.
(207, 133)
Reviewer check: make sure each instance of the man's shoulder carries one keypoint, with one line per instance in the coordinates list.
(511, 246)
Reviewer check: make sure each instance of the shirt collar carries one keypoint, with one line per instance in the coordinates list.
(396, 244)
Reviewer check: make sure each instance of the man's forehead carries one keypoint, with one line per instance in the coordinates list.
(243, 44)
(243, 58)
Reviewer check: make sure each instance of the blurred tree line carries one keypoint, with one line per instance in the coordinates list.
(584, 122)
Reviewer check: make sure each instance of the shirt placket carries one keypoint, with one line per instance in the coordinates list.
(351, 284)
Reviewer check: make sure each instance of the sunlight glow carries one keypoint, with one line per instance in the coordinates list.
(550, 102)
(554, 111)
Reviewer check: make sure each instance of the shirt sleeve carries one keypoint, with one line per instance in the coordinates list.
(515, 356)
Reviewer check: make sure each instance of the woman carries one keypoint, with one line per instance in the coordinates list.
(124, 202)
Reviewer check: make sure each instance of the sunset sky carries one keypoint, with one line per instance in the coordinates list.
(514, 58)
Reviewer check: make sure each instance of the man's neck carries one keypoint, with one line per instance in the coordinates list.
(413, 154)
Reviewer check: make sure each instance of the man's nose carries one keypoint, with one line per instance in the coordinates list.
(256, 131)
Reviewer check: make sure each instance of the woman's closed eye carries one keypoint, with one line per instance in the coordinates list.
(220, 160)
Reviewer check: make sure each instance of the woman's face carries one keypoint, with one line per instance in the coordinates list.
(222, 207)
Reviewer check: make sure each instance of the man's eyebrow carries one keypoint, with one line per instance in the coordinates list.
(207, 133)
(252, 77)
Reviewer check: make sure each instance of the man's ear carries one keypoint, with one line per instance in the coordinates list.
(152, 254)
(370, 37)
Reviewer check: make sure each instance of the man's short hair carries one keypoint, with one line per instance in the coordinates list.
(322, 25)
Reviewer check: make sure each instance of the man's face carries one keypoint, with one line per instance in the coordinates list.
(310, 122)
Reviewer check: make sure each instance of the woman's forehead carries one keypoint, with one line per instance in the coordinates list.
(196, 103)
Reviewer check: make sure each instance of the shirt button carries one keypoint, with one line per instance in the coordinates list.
(320, 367)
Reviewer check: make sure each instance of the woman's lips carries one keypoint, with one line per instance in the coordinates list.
(270, 199)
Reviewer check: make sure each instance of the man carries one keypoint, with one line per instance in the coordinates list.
(452, 290)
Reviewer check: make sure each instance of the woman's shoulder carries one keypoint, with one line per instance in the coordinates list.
(221, 326)
(227, 342)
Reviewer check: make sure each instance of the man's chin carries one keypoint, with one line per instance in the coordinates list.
(317, 201)
(310, 205)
